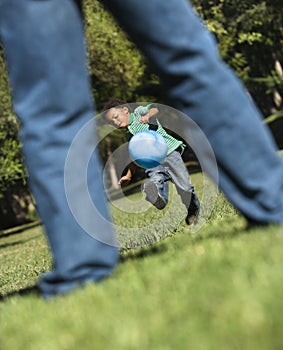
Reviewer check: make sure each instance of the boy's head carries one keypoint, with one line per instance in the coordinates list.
(117, 112)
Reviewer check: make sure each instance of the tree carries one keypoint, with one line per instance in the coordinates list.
(15, 200)
(249, 33)
(116, 66)
(11, 164)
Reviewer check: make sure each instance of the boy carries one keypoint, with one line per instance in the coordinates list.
(117, 112)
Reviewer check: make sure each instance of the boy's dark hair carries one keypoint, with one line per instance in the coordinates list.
(114, 103)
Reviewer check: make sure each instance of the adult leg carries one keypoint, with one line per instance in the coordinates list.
(44, 47)
(184, 55)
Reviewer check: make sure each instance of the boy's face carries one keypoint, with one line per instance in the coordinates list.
(118, 116)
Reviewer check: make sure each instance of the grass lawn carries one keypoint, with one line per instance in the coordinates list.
(218, 288)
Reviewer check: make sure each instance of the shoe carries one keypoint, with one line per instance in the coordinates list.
(192, 216)
(152, 195)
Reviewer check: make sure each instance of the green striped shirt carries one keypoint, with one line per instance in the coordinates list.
(135, 126)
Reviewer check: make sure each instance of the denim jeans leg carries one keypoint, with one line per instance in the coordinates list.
(159, 177)
(44, 47)
(184, 55)
(179, 175)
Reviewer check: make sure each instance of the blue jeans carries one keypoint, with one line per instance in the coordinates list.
(44, 47)
(173, 169)
(51, 94)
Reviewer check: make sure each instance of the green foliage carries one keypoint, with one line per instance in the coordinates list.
(5, 97)
(11, 165)
(250, 34)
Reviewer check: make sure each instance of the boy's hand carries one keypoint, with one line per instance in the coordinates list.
(124, 180)
(145, 118)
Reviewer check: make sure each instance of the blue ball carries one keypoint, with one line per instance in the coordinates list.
(148, 149)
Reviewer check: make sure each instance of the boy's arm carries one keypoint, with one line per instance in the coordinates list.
(145, 118)
(151, 111)
(128, 177)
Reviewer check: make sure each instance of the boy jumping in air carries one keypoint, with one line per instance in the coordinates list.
(117, 112)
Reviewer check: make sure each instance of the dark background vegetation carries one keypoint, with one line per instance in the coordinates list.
(249, 34)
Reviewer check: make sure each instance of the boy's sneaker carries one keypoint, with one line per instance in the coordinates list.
(192, 216)
(152, 195)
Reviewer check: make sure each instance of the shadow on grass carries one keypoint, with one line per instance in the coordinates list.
(142, 252)
(19, 229)
(33, 290)
(21, 241)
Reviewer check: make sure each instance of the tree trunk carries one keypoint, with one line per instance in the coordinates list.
(16, 206)
(111, 166)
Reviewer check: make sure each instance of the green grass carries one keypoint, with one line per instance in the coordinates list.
(218, 288)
